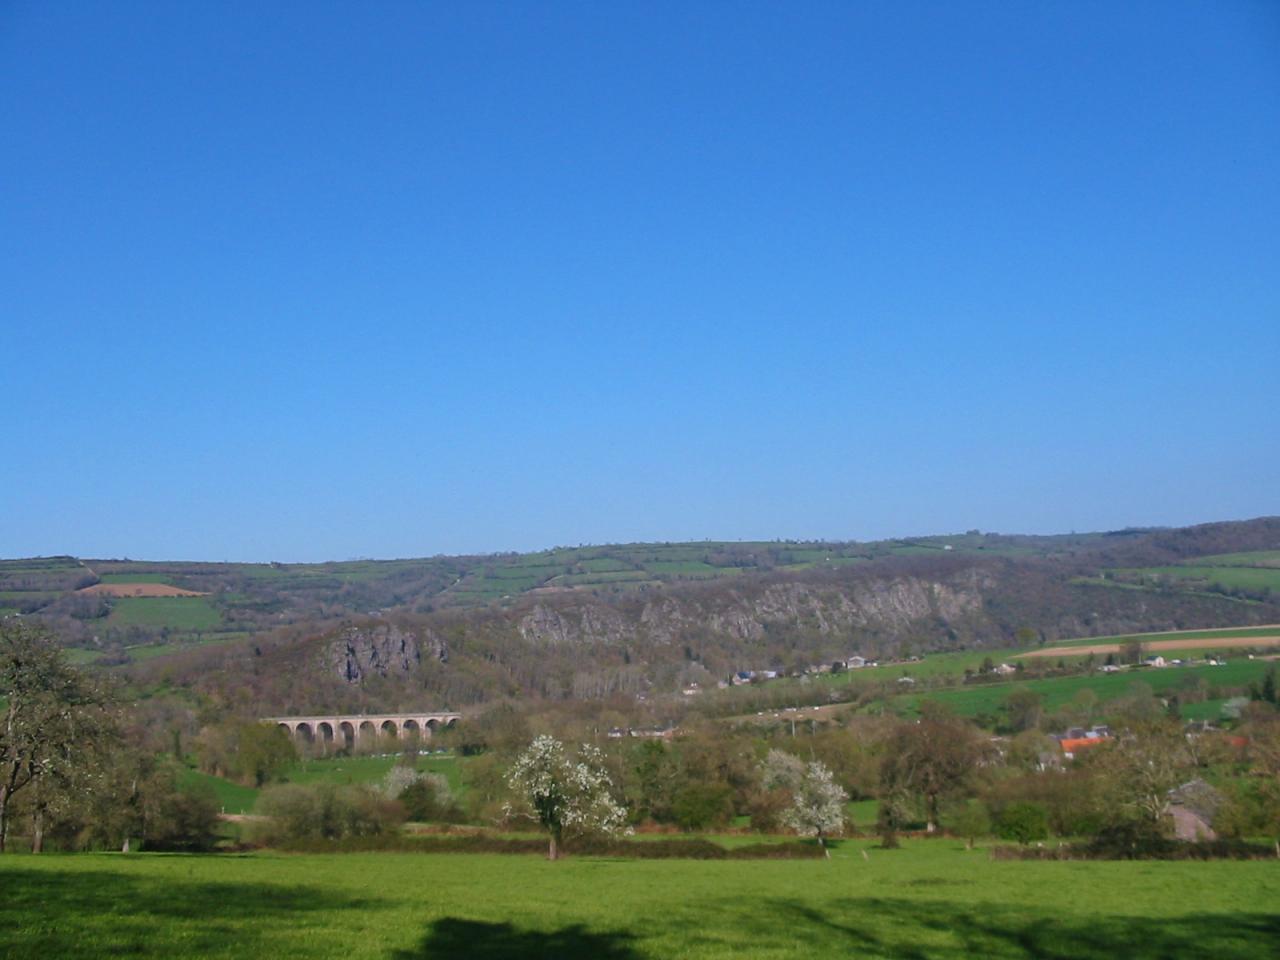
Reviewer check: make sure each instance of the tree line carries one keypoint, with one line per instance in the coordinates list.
(81, 768)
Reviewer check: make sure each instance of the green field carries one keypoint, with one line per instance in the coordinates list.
(1247, 578)
(1256, 572)
(232, 797)
(370, 769)
(862, 813)
(988, 698)
(1258, 558)
(80, 656)
(930, 900)
(135, 578)
(176, 613)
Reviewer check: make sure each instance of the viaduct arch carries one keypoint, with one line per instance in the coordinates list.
(350, 730)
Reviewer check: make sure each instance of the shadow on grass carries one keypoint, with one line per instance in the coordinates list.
(451, 938)
(941, 930)
(896, 929)
(49, 914)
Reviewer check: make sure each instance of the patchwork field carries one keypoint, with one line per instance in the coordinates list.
(1255, 574)
(147, 588)
(930, 900)
(1158, 646)
(971, 701)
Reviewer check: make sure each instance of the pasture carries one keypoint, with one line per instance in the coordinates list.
(1257, 572)
(931, 900)
(1247, 578)
(988, 698)
(177, 613)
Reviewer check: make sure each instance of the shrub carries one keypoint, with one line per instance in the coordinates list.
(1132, 840)
(970, 820)
(323, 811)
(702, 805)
(184, 819)
(766, 808)
(430, 800)
(1024, 822)
(1162, 848)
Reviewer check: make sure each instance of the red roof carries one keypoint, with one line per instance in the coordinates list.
(1076, 744)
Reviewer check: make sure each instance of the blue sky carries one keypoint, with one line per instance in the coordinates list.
(314, 281)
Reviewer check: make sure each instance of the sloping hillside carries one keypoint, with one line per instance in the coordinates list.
(585, 646)
(592, 621)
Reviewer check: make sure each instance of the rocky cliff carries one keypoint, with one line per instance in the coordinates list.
(359, 652)
(593, 644)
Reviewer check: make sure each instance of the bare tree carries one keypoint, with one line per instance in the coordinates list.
(933, 759)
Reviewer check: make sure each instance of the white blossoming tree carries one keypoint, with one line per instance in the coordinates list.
(817, 801)
(564, 792)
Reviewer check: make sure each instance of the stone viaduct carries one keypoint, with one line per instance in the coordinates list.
(350, 731)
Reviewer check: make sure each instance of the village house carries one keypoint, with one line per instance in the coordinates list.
(1077, 739)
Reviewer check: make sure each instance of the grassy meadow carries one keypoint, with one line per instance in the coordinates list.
(177, 613)
(1257, 572)
(988, 698)
(931, 900)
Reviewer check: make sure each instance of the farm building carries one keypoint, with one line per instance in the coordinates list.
(1077, 739)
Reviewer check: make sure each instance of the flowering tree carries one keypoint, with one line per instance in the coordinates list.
(817, 801)
(564, 792)
(54, 718)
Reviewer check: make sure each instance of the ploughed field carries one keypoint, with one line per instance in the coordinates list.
(931, 899)
(1160, 646)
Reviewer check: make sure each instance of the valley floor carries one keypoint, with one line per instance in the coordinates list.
(931, 900)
